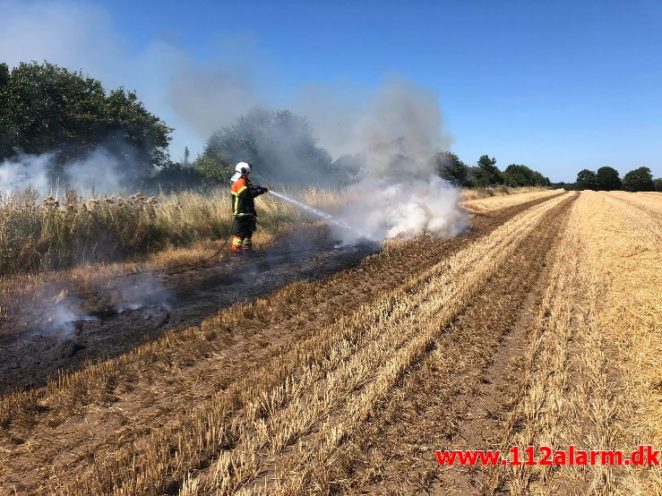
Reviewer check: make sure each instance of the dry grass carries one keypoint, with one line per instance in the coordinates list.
(268, 397)
(43, 235)
(626, 258)
(191, 227)
(38, 235)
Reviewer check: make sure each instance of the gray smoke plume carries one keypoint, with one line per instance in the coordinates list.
(401, 132)
(55, 313)
(26, 171)
(208, 100)
(399, 193)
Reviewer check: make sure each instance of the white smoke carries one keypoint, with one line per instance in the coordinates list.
(396, 136)
(384, 209)
(26, 171)
(63, 317)
(193, 97)
(399, 193)
(99, 172)
(138, 291)
(55, 313)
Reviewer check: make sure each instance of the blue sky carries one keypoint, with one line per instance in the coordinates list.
(559, 86)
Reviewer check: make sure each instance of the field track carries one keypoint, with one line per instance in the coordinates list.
(523, 331)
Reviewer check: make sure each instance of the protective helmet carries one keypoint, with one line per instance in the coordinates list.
(242, 168)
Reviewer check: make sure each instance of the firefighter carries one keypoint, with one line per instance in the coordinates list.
(243, 208)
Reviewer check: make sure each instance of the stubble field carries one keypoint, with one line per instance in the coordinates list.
(539, 326)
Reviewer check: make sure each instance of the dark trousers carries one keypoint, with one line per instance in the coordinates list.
(244, 226)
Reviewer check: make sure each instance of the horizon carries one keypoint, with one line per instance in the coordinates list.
(559, 88)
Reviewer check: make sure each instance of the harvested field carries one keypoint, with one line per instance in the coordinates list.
(540, 326)
(490, 204)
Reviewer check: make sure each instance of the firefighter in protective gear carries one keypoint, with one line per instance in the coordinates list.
(243, 195)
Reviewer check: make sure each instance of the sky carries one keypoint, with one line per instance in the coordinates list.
(559, 86)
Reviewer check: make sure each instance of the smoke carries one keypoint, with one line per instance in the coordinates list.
(385, 208)
(26, 171)
(99, 172)
(63, 318)
(388, 139)
(193, 96)
(401, 132)
(210, 99)
(55, 312)
(399, 193)
(60, 312)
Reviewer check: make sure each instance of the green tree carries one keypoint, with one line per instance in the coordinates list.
(452, 169)
(586, 179)
(658, 184)
(4, 74)
(46, 108)
(520, 175)
(639, 179)
(187, 155)
(177, 177)
(607, 179)
(487, 173)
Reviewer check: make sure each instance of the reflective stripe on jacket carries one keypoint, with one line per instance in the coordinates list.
(242, 198)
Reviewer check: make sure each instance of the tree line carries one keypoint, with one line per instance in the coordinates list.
(608, 179)
(45, 108)
(486, 173)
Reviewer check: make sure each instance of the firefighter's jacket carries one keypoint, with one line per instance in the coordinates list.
(243, 197)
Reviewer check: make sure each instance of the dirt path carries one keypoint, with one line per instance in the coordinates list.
(94, 419)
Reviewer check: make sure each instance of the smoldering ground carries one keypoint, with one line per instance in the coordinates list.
(116, 315)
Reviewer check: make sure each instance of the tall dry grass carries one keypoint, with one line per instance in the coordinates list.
(37, 235)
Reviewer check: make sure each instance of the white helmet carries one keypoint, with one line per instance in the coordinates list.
(242, 168)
